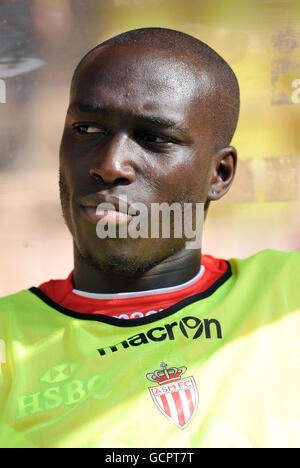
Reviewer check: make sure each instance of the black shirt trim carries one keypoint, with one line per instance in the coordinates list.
(138, 321)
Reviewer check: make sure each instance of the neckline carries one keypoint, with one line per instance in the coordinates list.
(121, 323)
(149, 292)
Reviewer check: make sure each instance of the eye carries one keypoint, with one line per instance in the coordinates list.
(89, 129)
(151, 138)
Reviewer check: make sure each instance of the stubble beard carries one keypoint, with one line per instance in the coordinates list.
(130, 266)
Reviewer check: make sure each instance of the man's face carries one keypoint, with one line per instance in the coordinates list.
(136, 128)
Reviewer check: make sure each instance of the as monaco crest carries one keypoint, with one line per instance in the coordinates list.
(175, 397)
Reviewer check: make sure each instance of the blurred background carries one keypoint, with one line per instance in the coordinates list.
(41, 42)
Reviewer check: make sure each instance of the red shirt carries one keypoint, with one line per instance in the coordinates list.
(135, 304)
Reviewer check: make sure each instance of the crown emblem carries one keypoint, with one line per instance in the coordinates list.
(166, 375)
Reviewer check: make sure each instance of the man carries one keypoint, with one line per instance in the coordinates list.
(149, 343)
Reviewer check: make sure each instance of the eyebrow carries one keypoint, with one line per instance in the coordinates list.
(150, 119)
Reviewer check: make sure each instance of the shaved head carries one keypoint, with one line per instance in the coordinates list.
(216, 78)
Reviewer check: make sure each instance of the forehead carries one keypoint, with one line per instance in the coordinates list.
(138, 79)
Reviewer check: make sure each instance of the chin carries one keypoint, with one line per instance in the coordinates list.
(129, 258)
(118, 264)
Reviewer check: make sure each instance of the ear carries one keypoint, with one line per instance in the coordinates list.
(223, 171)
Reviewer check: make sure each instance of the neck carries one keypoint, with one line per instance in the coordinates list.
(174, 270)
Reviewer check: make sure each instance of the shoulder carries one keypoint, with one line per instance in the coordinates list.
(20, 299)
(268, 271)
(268, 260)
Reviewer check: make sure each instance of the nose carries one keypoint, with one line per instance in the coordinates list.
(113, 163)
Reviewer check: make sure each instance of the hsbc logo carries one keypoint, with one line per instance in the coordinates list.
(62, 389)
(190, 327)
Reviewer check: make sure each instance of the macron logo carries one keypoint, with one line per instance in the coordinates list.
(190, 327)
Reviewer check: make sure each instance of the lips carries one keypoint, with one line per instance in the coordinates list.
(109, 208)
(109, 216)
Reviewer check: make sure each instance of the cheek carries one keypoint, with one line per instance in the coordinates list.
(63, 188)
(188, 183)
(71, 154)
(65, 199)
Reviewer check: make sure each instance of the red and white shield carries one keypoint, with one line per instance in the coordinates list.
(177, 400)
